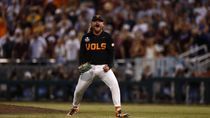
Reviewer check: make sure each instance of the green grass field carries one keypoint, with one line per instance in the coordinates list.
(89, 110)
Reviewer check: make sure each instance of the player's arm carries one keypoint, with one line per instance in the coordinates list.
(110, 47)
(84, 64)
(82, 52)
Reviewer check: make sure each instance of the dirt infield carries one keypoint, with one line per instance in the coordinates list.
(13, 109)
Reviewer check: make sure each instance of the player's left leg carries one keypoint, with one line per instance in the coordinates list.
(84, 81)
(111, 81)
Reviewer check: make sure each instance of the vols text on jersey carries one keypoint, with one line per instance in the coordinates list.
(95, 46)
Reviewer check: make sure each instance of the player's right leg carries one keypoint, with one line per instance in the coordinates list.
(84, 81)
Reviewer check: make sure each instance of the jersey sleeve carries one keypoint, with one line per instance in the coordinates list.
(110, 51)
(82, 52)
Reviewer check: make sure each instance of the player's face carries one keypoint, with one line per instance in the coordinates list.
(97, 26)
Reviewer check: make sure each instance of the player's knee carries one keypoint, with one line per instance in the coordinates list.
(78, 93)
(113, 87)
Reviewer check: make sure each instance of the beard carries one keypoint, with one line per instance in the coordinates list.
(97, 29)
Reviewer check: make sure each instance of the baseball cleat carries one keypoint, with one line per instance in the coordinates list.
(73, 111)
(119, 114)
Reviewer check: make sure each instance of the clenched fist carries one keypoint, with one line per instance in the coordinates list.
(106, 68)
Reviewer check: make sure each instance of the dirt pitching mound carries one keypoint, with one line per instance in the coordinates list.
(13, 109)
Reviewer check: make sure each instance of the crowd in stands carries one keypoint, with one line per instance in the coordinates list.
(151, 29)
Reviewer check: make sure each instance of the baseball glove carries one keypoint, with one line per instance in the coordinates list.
(84, 67)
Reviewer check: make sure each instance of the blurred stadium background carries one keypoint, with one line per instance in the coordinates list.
(162, 49)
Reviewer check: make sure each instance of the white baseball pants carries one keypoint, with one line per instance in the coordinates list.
(86, 79)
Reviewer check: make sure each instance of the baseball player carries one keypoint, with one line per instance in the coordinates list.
(96, 59)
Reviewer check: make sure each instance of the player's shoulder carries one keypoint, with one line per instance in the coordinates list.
(106, 34)
(87, 34)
